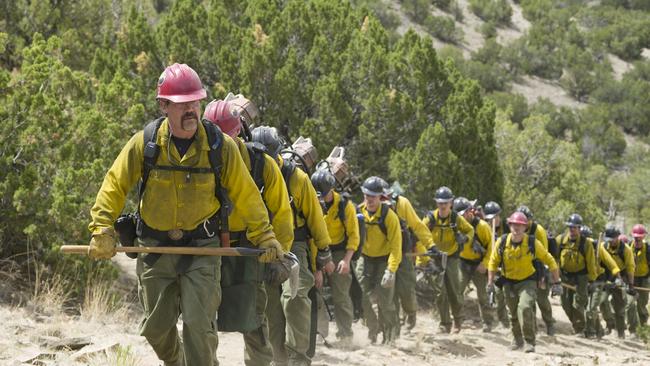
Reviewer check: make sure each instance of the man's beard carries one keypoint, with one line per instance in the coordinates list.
(189, 121)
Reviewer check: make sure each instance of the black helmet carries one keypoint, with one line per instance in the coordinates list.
(373, 186)
(611, 233)
(323, 181)
(574, 220)
(586, 231)
(444, 195)
(491, 209)
(526, 211)
(268, 136)
(461, 204)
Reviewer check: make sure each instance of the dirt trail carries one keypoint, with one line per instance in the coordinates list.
(115, 341)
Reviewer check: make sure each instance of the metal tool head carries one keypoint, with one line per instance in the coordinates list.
(294, 275)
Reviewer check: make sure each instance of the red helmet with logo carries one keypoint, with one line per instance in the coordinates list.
(179, 83)
(518, 217)
(224, 115)
(638, 231)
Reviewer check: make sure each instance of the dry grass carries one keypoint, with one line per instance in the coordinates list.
(118, 356)
(101, 303)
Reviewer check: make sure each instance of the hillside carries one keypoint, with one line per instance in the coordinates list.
(38, 338)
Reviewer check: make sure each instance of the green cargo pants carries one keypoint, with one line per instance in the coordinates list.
(340, 286)
(544, 305)
(289, 320)
(608, 313)
(468, 273)
(597, 297)
(405, 298)
(451, 295)
(574, 303)
(370, 271)
(631, 312)
(521, 299)
(502, 309)
(618, 304)
(166, 294)
(642, 300)
(258, 349)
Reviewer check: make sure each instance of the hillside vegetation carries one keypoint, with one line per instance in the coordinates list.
(77, 79)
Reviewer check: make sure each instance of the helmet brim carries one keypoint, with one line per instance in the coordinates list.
(197, 95)
(490, 216)
(368, 192)
(444, 200)
(638, 235)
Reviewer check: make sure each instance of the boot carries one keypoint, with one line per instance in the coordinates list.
(529, 348)
(516, 344)
(550, 330)
(487, 328)
(410, 321)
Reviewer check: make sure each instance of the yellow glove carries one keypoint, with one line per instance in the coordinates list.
(274, 250)
(422, 261)
(102, 244)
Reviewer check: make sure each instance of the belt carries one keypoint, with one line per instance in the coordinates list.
(207, 230)
(240, 238)
(514, 282)
(340, 246)
(382, 258)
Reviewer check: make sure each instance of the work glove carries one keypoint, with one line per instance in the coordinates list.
(102, 244)
(274, 251)
(324, 260)
(631, 290)
(618, 282)
(556, 289)
(276, 272)
(388, 280)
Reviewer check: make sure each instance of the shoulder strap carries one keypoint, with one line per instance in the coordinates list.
(621, 251)
(382, 219)
(581, 246)
(501, 250)
(432, 220)
(256, 152)
(533, 228)
(453, 222)
(215, 141)
(531, 244)
(151, 152)
(343, 202)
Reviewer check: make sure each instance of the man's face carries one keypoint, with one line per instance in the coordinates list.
(183, 117)
(444, 208)
(518, 229)
(372, 202)
(468, 215)
(574, 231)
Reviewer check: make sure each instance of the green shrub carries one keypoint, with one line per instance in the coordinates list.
(497, 11)
(443, 28)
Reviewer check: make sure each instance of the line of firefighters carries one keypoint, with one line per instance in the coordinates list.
(246, 185)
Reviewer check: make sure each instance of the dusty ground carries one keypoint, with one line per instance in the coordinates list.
(29, 335)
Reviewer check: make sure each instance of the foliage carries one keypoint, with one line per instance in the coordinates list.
(443, 28)
(72, 96)
(545, 173)
(497, 11)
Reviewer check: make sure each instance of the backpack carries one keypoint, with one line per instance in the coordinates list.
(537, 264)
(215, 141)
(407, 242)
(581, 246)
(452, 222)
(256, 152)
(647, 251)
(288, 168)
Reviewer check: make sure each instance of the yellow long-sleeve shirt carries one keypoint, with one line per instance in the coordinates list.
(309, 211)
(339, 231)
(640, 259)
(604, 258)
(171, 200)
(518, 260)
(406, 212)
(443, 234)
(484, 234)
(570, 257)
(275, 197)
(378, 244)
(627, 262)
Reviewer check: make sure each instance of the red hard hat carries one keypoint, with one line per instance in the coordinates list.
(179, 83)
(638, 231)
(518, 217)
(623, 238)
(225, 116)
